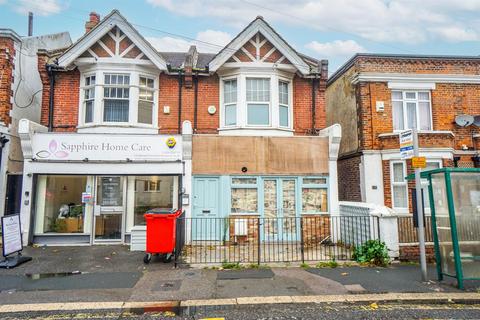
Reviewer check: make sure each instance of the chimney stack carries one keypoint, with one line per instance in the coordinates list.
(92, 22)
(30, 24)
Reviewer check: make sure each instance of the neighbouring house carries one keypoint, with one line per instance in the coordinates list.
(20, 98)
(376, 96)
(125, 129)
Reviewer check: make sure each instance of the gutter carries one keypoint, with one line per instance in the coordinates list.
(180, 85)
(195, 102)
(51, 77)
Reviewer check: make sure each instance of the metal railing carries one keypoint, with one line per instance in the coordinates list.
(407, 233)
(247, 239)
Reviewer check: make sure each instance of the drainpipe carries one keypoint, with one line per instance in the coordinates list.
(180, 84)
(314, 82)
(195, 102)
(51, 77)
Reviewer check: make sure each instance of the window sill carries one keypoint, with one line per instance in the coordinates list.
(117, 128)
(396, 133)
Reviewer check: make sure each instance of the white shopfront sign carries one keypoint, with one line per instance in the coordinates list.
(106, 147)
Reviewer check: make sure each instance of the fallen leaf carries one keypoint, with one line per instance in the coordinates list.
(344, 273)
(169, 314)
(374, 306)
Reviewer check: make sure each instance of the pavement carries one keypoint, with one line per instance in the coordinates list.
(113, 278)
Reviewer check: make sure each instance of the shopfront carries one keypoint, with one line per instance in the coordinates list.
(95, 188)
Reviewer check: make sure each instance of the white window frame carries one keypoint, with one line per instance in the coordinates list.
(133, 126)
(404, 101)
(269, 102)
(274, 111)
(147, 88)
(84, 88)
(224, 105)
(289, 105)
(404, 183)
(122, 86)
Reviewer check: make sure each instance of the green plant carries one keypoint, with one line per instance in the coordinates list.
(57, 225)
(327, 264)
(304, 265)
(76, 211)
(372, 252)
(231, 265)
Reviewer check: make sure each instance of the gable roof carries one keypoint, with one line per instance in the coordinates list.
(113, 19)
(260, 25)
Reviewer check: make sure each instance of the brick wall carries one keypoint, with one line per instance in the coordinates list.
(349, 179)
(412, 253)
(66, 101)
(7, 68)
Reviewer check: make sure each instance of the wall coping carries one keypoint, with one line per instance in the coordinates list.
(421, 132)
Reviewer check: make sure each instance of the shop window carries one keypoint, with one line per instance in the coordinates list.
(152, 192)
(244, 195)
(314, 195)
(59, 204)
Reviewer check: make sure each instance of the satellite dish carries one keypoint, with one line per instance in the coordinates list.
(476, 121)
(464, 120)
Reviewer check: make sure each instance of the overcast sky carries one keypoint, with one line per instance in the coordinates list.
(329, 29)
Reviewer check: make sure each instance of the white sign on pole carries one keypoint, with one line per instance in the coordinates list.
(406, 144)
(11, 235)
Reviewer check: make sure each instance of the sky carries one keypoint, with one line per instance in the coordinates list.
(324, 29)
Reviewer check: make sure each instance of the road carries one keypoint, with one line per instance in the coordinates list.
(279, 311)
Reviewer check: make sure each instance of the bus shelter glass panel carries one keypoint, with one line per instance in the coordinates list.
(443, 224)
(466, 198)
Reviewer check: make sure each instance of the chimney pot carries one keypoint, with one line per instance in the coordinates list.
(94, 19)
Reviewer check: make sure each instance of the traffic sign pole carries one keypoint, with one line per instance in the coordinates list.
(421, 227)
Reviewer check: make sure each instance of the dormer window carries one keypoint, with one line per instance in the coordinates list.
(253, 101)
(125, 98)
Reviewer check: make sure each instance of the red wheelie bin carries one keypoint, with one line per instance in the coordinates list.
(161, 233)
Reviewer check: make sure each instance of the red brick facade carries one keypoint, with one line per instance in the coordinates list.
(7, 67)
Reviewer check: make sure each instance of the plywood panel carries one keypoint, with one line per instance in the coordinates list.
(213, 154)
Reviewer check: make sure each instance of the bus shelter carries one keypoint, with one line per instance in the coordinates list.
(454, 195)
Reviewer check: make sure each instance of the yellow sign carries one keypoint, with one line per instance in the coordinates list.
(171, 142)
(419, 162)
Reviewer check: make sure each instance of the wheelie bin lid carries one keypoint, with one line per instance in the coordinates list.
(161, 211)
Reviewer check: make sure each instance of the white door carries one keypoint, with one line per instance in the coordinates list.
(109, 209)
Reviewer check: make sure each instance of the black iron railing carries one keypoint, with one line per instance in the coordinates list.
(248, 239)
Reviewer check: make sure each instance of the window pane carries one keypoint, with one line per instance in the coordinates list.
(110, 191)
(410, 95)
(146, 95)
(398, 175)
(397, 95)
(230, 115)
(314, 200)
(283, 116)
(88, 111)
(230, 91)
(107, 79)
(258, 114)
(152, 192)
(244, 181)
(60, 203)
(400, 196)
(258, 89)
(283, 92)
(423, 96)
(244, 200)
(411, 115)
(397, 108)
(314, 181)
(424, 111)
(115, 110)
(145, 112)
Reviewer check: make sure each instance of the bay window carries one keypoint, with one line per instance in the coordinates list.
(411, 109)
(230, 102)
(89, 97)
(256, 101)
(399, 185)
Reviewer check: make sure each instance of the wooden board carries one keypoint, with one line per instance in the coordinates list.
(213, 154)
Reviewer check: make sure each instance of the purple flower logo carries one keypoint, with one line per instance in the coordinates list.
(52, 150)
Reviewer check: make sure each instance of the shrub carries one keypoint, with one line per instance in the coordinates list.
(372, 252)
(231, 265)
(328, 264)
